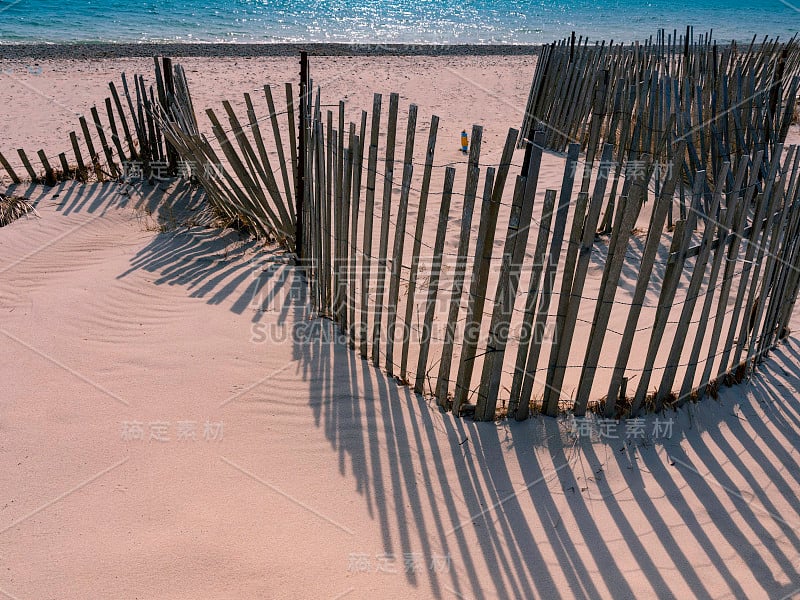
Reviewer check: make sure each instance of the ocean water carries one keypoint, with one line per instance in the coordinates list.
(386, 21)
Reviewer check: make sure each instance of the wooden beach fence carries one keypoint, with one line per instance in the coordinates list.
(512, 311)
(118, 138)
(724, 101)
(744, 238)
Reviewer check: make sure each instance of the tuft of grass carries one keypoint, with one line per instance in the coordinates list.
(14, 207)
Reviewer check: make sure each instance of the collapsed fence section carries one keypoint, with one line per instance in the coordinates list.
(243, 184)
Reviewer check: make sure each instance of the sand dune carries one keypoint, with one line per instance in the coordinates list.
(312, 475)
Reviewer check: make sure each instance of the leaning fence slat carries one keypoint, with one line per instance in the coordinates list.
(336, 222)
(104, 143)
(358, 166)
(263, 172)
(276, 132)
(253, 195)
(614, 262)
(757, 240)
(519, 224)
(680, 234)
(555, 368)
(711, 286)
(782, 282)
(515, 247)
(330, 178)
(27, 164)
(290, 118)
(742, 209)
(115, 134)
(124, 121)
(766, 280)
(65, 170)
(49, 176)
(343, 217)
(319, 217)
(76, 149)
(90, 146)
(7, 166)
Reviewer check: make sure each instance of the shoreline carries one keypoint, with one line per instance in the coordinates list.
(99, 50)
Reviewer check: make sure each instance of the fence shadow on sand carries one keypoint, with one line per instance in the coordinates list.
(570, 517)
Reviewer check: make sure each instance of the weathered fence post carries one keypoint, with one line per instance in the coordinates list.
(300, 184)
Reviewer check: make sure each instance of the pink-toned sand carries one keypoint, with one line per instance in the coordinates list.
(165, 432)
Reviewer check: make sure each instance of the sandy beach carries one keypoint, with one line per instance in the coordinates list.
(167, 429)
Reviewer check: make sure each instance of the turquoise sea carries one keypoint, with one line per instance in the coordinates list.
(386, 21)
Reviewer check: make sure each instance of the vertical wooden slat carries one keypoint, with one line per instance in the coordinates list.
(399, 243)
(397, 269)
(386, 212)
(528, 332)
(662, 208)
(433, 282)
(524, 380)
(473, 173)
(369, 209)
(742, 208)
(492, 198)
(419, 231)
